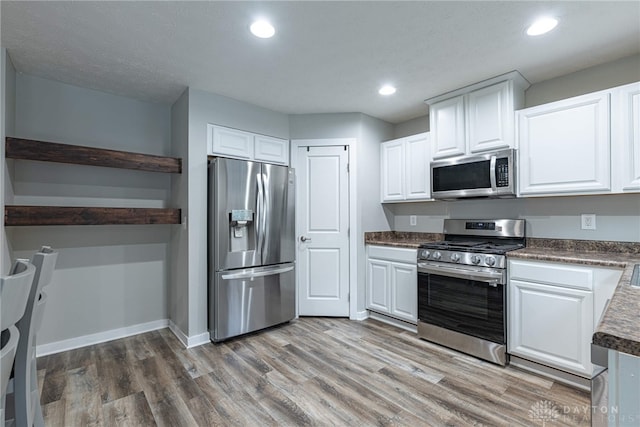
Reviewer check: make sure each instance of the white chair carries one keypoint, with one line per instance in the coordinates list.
(26, 398)
(14, 293)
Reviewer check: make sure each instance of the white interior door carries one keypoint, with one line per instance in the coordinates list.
(322, 212)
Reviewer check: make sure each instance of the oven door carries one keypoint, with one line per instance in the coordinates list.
(470, 300)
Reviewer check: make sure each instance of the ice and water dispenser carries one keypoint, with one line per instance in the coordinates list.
(242, 230)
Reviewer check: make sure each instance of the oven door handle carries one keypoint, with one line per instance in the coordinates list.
(493, 278)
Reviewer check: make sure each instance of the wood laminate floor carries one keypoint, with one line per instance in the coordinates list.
(313, 371)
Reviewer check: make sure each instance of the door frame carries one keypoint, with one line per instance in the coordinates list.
(353, 243)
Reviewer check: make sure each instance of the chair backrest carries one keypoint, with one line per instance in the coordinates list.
(45, 263)
(26, 401)
(14, 292)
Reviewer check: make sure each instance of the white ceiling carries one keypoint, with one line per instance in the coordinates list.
(325, 56)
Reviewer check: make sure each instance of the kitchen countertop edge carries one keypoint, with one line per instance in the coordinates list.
(400, 239)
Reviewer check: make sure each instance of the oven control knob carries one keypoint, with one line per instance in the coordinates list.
(455, 257)
(475, 259)
(424, 254)
(437, 255)
(490, 261)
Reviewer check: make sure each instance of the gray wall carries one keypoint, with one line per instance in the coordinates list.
(617, 216)
(412, 127)
(371, 216)
(188, 299)
(178, 292)
(7, 127)
(330, 125)
(107, 277)
(599, 77)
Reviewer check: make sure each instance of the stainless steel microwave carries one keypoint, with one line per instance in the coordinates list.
(489, 174)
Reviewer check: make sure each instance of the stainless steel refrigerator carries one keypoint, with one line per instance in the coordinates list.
(251, 247)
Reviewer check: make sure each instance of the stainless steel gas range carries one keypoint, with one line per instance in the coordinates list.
(462, 286)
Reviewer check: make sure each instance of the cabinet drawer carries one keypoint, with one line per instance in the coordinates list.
(560, 275)
(393, 254)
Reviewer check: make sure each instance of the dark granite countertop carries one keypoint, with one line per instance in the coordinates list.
(620, 326)
(400, 239)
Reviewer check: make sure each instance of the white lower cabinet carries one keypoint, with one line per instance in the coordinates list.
(392, 282)
(553, 311)
(552, 324)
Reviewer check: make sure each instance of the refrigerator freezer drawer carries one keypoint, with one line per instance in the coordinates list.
(251, 299)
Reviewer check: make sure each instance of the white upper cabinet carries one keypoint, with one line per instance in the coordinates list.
(477, 118)
(490, 118)
(271, 150)
(230, 142)
(625, 144)
(447, 128)
(417, 159)
(227, 142)
(404, 169)
(565, 146)
(392, 159)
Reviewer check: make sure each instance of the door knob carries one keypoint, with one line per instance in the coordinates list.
(304, 239)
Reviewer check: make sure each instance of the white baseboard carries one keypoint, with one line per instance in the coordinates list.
(100, 337)
(188, 341)
(360, 315)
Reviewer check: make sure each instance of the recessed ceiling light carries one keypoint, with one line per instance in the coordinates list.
(387, 90)
(542, 26)
(262, 29)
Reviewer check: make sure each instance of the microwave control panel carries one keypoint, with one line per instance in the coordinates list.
(502, 172)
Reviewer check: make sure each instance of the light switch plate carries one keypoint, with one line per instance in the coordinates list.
(413, 220)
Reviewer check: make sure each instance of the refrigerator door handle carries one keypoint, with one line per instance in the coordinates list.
(266, 213)
(260, 224)
(249, 274)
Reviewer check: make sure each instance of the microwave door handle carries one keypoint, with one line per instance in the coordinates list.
(492, 173)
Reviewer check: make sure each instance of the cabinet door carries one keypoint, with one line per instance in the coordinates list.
(392, 173)
(378, 285)
(565, 146)
(490, 118)
(417, 179)
(404, 291)
(231, 142)
(626, 138)
(551, 325)
(447, 128)
(271, 150)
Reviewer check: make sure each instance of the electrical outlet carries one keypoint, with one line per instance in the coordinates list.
(588, 221)
(413, 220)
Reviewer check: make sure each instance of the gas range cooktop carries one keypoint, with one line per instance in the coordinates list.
(481, 243)
(475, 247)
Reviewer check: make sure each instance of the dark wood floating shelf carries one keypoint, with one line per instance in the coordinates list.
(58, 215)
(28, 149)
